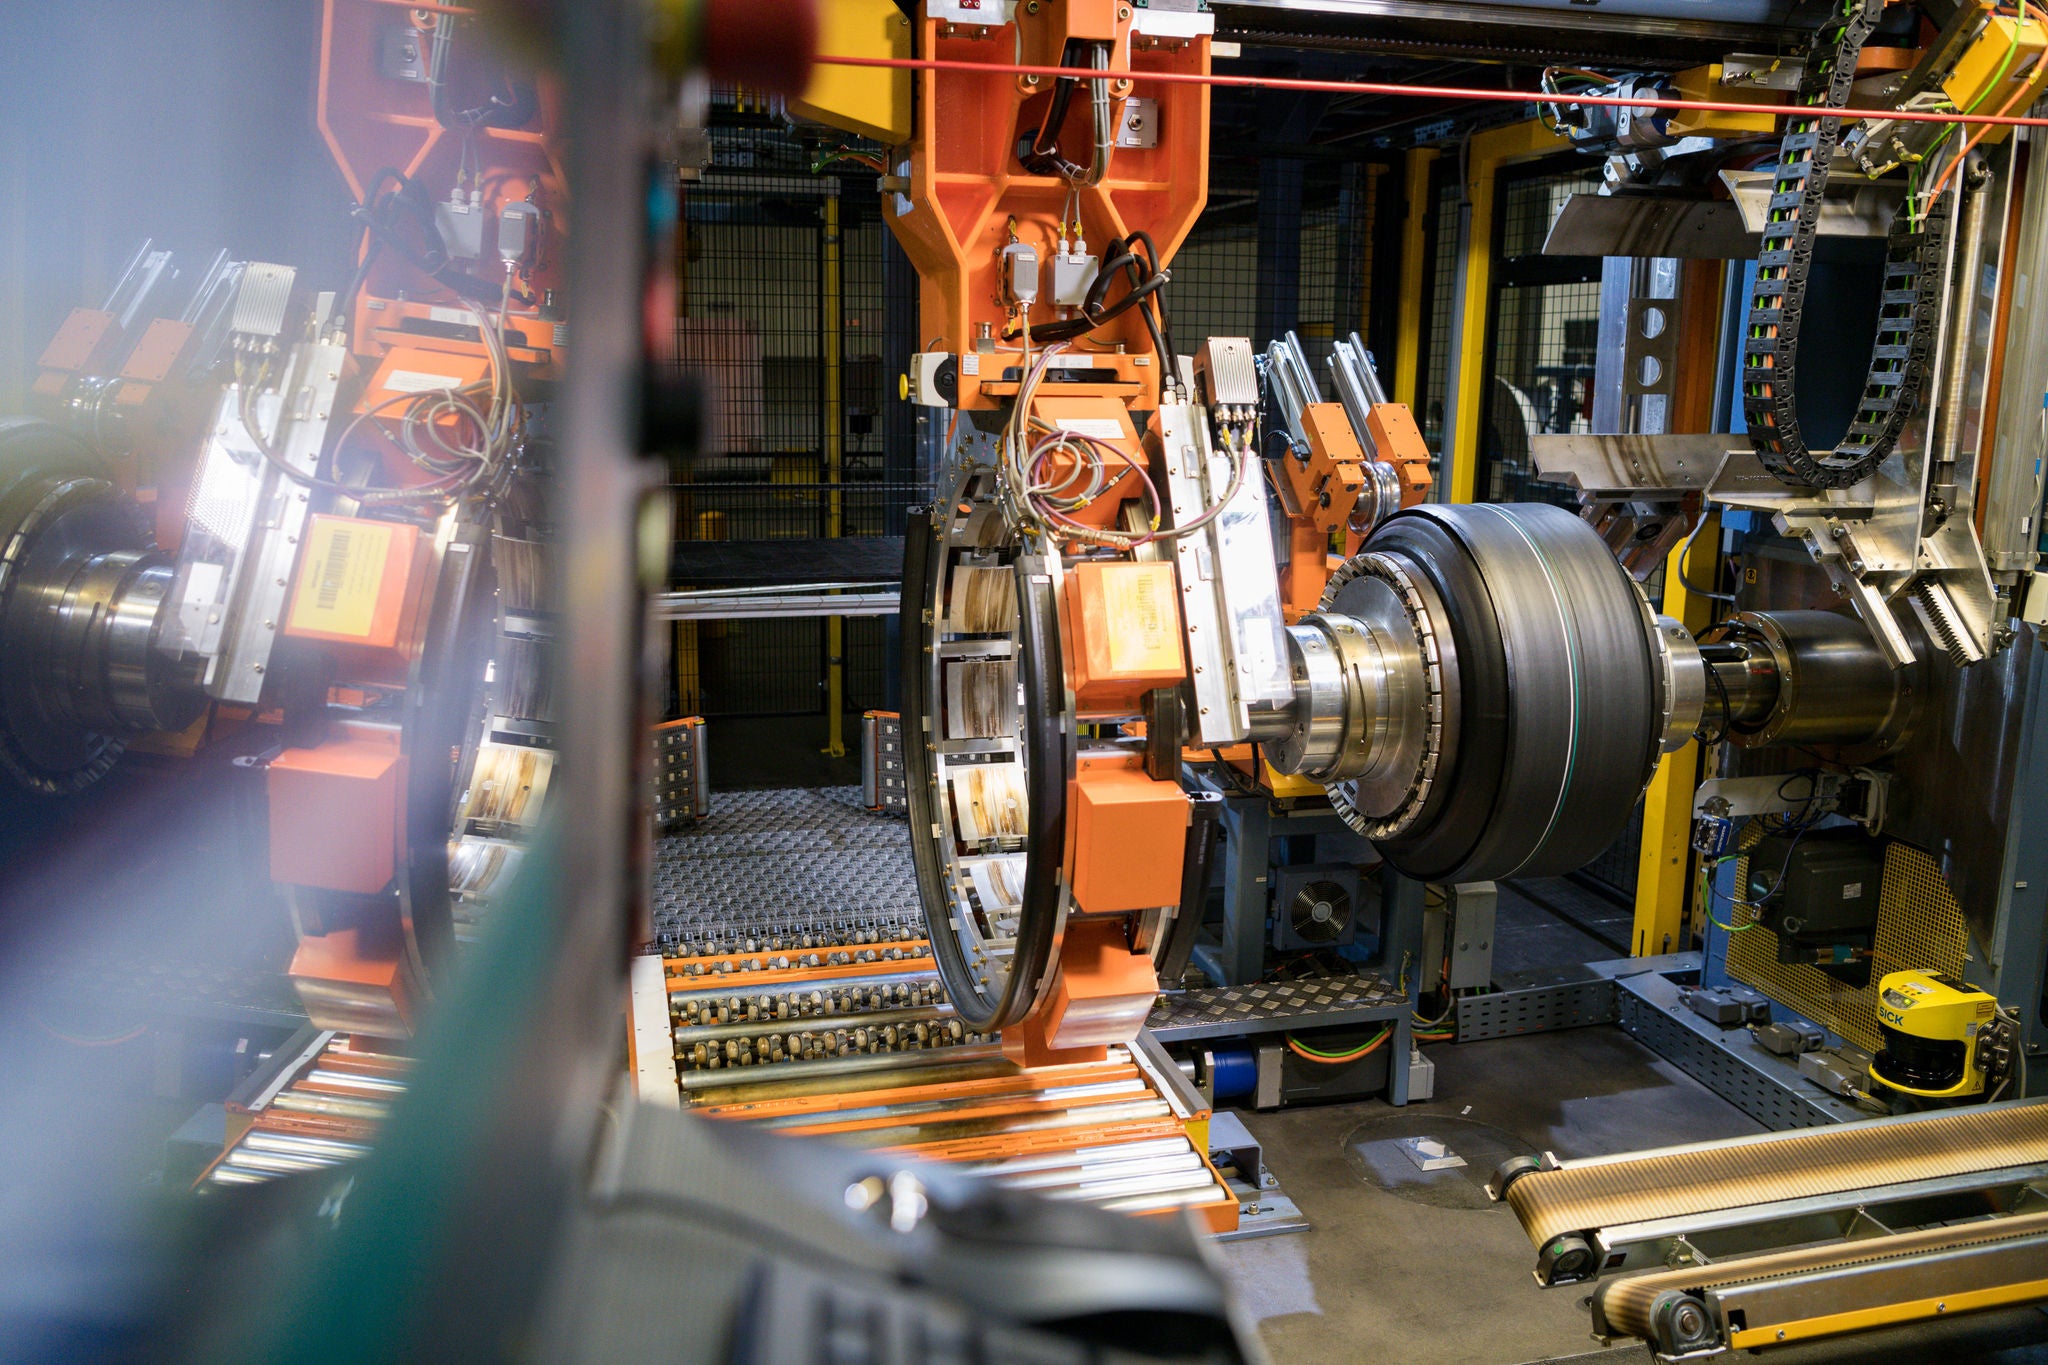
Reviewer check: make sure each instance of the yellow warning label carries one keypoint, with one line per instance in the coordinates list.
(340, 577)
(1141, 619)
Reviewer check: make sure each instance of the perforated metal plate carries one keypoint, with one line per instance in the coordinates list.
(1727, 1061)
(1535, 1009)
(1266, 1007)
(1919, 924)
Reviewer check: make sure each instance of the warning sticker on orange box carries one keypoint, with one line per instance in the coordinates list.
(341, 577)
(1141, 620)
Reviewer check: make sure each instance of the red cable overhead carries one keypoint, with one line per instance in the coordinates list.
(1451, 92)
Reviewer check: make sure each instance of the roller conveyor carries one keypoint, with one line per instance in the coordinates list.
(1760, 1241)
(798, 993)
(1113, 1133)
(318, 1104)
(1124, 1133)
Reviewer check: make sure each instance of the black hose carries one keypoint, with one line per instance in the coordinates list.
(378, 215)
(1144, 283)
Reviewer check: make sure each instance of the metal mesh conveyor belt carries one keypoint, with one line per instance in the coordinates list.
(784, 864)
(1625, 1307)
(1749, 1171)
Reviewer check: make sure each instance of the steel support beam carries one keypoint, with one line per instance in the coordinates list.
(1465, 403)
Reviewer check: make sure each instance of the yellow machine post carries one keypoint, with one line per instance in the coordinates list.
(835, 454)
(1485, 156)
(1662, 865)
(1414, 269)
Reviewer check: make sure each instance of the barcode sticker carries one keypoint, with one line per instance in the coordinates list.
(1140, 622)
(341, 577)
(332, 568)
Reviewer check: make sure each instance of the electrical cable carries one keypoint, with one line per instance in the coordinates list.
(1308, 1053)
(75, 1040)
(1241, 784)
(1727, 707)
(1915, 253)
(1685, 554)
(457, 468)
(2021, 89)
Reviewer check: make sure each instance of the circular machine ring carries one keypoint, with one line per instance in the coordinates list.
(55, 513)
(439, 707)
(1015, 726)
(1554, 723)
(1373, 596)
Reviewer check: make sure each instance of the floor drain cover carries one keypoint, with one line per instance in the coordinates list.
(1429, 1154)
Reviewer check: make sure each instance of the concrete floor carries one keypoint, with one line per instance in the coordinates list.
(1381, 1276)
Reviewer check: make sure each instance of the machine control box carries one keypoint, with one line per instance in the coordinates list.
(1790, 1037)
(1716, 1007)
(1819, 895)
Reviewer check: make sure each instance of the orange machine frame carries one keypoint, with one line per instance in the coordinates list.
(371, 121)
(967, 192)
(409, 332)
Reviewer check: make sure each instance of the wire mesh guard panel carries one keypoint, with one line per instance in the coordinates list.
(1544, 342)
(1919, 924)
(754, 274)
(1434, 390)
(1616, 868)
(1215, 281)
(760, 289)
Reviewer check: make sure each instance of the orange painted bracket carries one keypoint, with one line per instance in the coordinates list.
(334, 811)
(1129, 832)
(1101, 996)
(351, 978)
(1399, 443)
(1327, 485)
(1307, 572)
(371, 119)
(77, 344)
(967, 186)
(1123, 622)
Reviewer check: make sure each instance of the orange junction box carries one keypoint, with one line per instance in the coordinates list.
(334, 811)
(1130, 833)
(1124, 636)
(1400, 444)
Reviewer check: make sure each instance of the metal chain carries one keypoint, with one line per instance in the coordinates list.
(1909, 303)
